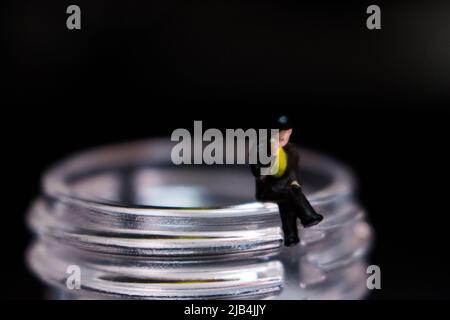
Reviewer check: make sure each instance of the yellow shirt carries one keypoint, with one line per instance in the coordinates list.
(279, 166)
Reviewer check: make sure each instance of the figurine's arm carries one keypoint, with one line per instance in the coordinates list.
(294, 175)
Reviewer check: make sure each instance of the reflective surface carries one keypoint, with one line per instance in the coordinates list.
(139, 227)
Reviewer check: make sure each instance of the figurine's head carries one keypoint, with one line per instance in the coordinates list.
(285, 130)
(283, 137)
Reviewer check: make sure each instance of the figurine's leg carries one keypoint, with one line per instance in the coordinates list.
(289, 223)
(308, 216)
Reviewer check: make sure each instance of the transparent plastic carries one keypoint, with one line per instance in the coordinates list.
(140, 227)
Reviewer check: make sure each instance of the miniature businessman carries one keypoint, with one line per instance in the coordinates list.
(283, 186)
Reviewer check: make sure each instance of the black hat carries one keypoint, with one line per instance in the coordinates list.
(283, 123)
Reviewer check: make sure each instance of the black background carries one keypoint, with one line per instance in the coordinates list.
(376, 100)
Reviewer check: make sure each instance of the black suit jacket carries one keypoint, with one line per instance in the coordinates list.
(277, 189)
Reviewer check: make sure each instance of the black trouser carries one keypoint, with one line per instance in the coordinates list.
(289, 217)
(293, 207)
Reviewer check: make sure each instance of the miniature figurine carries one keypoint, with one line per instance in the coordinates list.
(284, 188)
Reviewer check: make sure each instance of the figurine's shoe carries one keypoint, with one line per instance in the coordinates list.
(291, 240)
(311, 220)
(308, 216)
